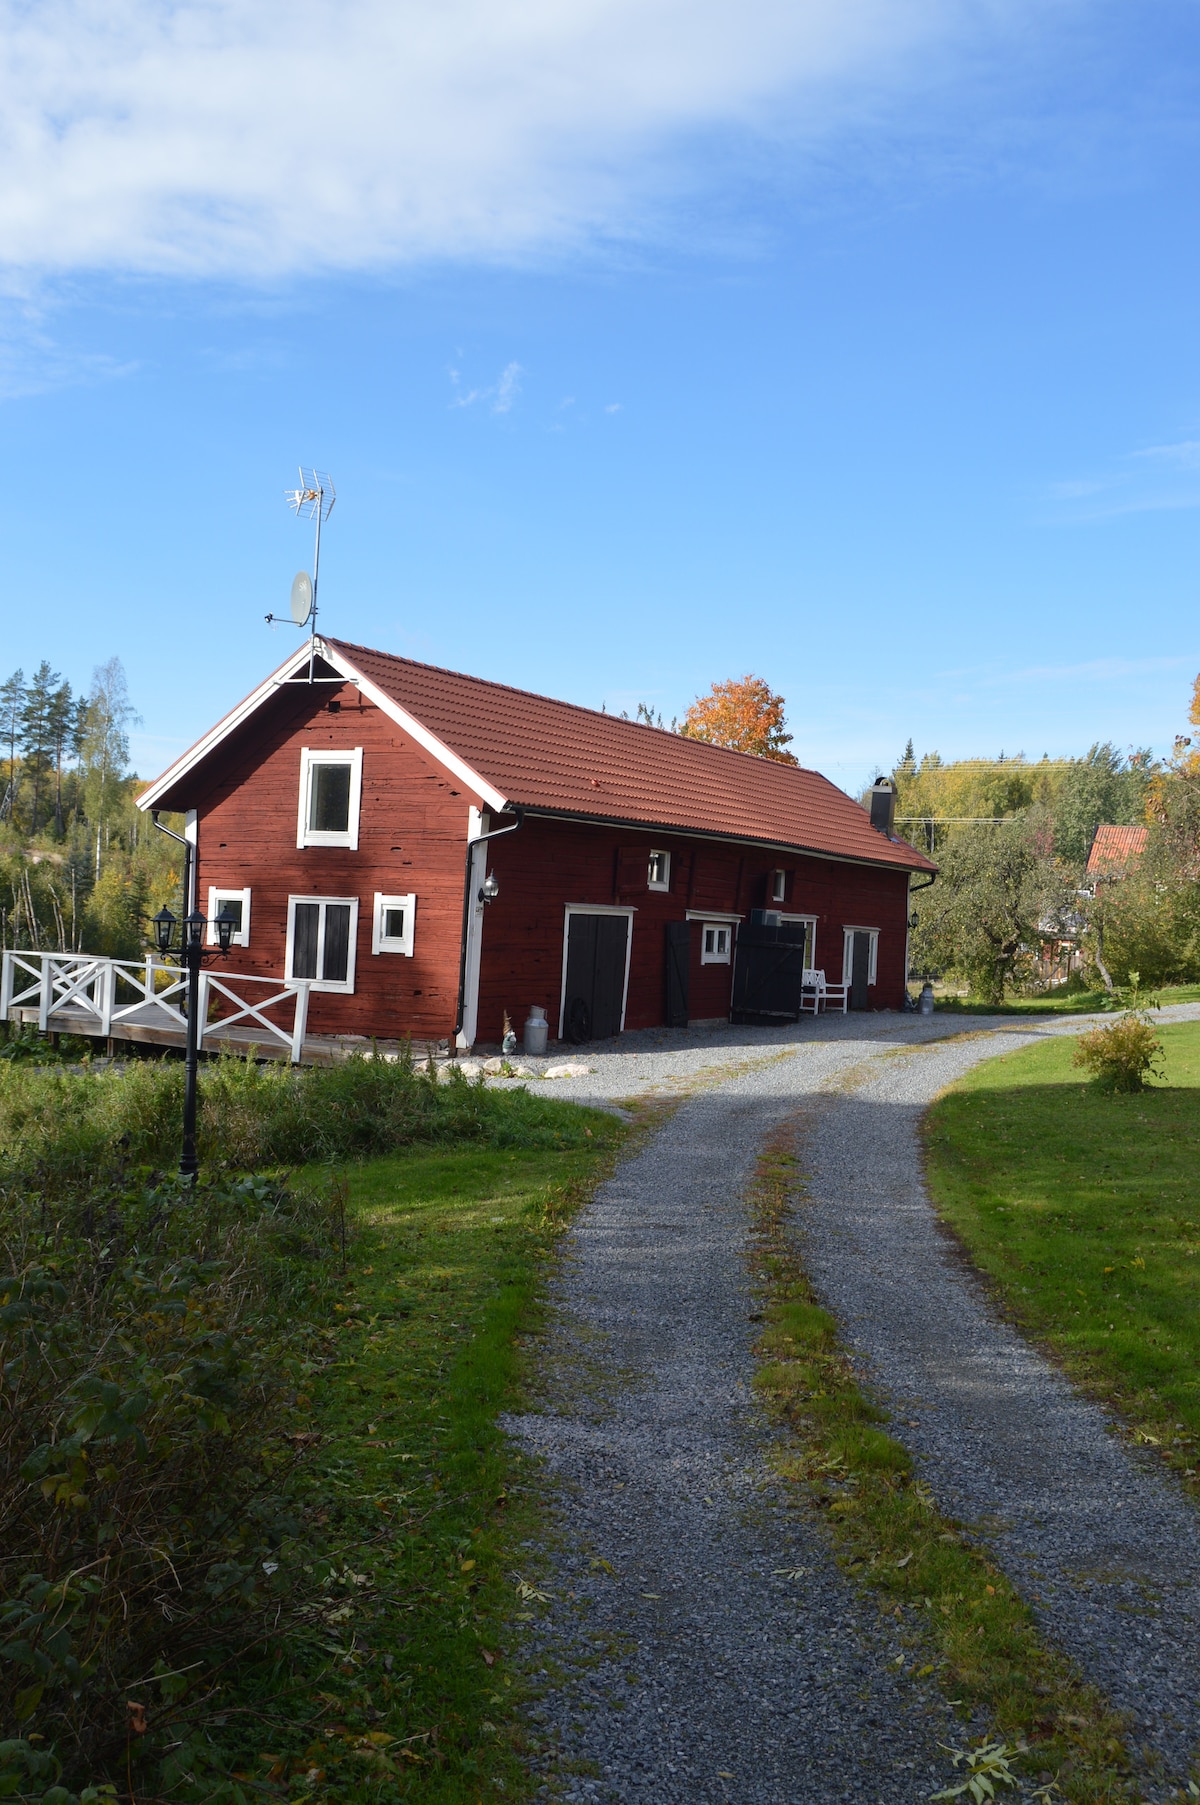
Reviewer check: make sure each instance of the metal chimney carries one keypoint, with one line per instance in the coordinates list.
(883, 807)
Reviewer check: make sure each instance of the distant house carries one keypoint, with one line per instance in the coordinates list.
(1115, 850)
(352, 819)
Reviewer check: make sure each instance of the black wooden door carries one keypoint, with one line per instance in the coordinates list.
(596, 946)
(768, 970)
(679, 959)
(860, 970)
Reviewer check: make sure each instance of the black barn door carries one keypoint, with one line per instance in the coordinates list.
(595, 987)
(860, 970)
(768, 971)
(679, 959)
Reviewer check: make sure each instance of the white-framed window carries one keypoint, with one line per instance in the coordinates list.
(231, 902)
(330, 794)
(810, 939)
(321, 935)
(394, 921)
(778, 882)
(716, 943)
(848, 953)
(659, 872)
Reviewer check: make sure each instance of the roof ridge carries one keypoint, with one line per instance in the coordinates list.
(599, 714)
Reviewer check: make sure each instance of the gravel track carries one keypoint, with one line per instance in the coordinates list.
(700, 1644)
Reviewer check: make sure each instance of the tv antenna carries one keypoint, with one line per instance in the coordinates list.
(313, 500)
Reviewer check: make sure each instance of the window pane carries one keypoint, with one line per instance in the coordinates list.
(393, 924)
(304, 940)
(231, 905)
(708, 940)
(337, 942)
(329, 799)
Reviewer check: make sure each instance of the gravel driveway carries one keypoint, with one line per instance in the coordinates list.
(699, 1643)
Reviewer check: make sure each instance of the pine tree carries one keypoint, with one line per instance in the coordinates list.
(61, 719)
(12, 703)
(37, 736)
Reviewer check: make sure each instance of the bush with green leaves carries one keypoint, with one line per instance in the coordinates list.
(1122, 1055)
(59, 1127)
(157, 1347)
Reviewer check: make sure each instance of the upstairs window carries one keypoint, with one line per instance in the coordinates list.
(659, 873)
(715, 943)
(321, 940)
(778, 882)
(395, 920)
(330, 792)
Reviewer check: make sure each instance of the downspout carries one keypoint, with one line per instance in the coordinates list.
(908, 925)
(497, 834)
(187, 860)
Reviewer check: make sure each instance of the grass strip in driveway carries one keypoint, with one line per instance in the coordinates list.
(1081, 1207)
(398, 1686)
(969, 1627)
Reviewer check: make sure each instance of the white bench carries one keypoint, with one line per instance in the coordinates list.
(816, 994)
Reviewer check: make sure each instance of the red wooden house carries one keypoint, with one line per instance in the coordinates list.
(351, 823)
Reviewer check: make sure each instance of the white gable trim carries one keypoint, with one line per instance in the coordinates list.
(491, 797)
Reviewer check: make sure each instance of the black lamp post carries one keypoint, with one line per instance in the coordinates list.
(191, 954)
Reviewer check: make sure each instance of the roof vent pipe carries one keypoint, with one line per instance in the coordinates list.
(883, 807)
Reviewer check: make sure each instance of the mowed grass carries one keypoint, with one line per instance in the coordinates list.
(1082, 1206)
(1065, 1002)
(401, 1685)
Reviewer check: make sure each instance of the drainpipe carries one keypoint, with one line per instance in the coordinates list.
(496, 834)
(908, 926)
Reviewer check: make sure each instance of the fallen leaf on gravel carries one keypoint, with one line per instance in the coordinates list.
(651, 1594)
(604, 1566)
(789, 1572)
(722, 1775)
(489, 1659)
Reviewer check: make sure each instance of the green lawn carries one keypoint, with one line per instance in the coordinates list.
(399, 1684)
(1082, 1207)
(1065, 1002)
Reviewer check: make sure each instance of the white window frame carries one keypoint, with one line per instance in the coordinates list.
(310, 758)
(389, 943)
(810, 939)
(848, 953)
(718, 928)
(342, 987)
(658, 852)
(218, 896)
(779, 889)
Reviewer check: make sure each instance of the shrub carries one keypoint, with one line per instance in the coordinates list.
(155, 1347)
(57, 1128)
(1122, 1055)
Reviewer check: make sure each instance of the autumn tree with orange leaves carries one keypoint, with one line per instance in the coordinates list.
(743, 714)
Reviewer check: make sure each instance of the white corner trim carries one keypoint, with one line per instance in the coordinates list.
(471, 779)
(711, 915)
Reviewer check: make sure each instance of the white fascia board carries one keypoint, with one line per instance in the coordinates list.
(432, 744)
(149, 798)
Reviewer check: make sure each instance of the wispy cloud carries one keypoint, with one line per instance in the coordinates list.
(502, 395)
(252, 138)
(1153, 479)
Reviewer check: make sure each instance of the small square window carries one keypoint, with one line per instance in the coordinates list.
(778, 886)
(715, 941)
(658, 876)
(229, 902)
(395, 919)
(330, 793)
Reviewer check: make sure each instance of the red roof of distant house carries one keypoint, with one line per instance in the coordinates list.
(562, 759)
(1115, 849)
(555, 758)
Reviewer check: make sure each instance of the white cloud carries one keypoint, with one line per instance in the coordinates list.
(258, 137)
(1154, 479)
(502, 393)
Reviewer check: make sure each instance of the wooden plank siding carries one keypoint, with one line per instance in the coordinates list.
(412, 837)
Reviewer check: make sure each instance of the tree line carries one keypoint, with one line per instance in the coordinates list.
(80, 868)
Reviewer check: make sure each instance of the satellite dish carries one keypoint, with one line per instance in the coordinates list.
(302, 597)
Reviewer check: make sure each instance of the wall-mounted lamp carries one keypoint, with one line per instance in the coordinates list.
(489, 890)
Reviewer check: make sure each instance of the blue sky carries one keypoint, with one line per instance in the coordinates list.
(852, 344)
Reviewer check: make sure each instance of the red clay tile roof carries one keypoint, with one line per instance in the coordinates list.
(1116, 848)
(557, 757)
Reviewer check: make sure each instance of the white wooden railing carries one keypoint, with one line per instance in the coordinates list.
(110, 992)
